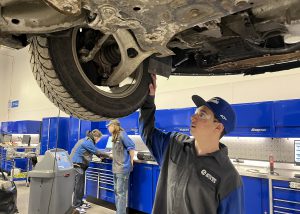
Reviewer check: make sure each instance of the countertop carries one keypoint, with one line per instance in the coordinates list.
(251, 168)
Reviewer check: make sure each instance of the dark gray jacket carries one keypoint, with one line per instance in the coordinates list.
(189, 183)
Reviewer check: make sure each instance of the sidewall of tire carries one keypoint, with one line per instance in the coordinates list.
(60, 50)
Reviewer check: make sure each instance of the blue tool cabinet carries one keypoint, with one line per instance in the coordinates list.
(287, 118)
(141, 188)
(77, 130)
(130, 123)
(99, 181)
(174, 120)
(54, 132)
(254, 120)
(21, 127)
(256, 195)
(156, 171)
(286, 198)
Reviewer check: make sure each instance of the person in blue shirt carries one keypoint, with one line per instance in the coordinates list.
(196, 173)
(123, 154)
(81, 156)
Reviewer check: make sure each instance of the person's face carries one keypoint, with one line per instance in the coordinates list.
(204, 123)
(97, 139)
(111, 128)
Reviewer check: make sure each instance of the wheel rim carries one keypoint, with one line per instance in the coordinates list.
(125, 88)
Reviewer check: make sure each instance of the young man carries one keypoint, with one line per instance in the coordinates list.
(81, 156)
(196, 174)
(123, 154)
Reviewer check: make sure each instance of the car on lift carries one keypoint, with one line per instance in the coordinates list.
(92, 58)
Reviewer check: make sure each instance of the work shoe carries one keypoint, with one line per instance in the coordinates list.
(81, 210)
(86, 205)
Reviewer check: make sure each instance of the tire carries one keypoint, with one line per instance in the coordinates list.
(60, 77)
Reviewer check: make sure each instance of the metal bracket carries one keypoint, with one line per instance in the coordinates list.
(128, 63)
(67, 7)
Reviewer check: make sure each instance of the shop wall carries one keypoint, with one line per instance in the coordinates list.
(176, 92)
(19, 84)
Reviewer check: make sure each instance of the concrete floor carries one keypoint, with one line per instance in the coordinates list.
(23, 200)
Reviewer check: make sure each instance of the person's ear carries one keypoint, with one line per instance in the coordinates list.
(220, 127)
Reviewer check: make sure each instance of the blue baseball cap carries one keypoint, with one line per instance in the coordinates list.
(221, 109)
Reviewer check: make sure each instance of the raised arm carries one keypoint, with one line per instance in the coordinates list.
(156, 140)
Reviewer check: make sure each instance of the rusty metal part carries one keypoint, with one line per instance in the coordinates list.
(128, 63)
(67, 7)
(154, 23)
(95, 49)
(256, 61)
(36, 17)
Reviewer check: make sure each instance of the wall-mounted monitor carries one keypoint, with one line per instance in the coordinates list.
(297, 152)
(26, 139)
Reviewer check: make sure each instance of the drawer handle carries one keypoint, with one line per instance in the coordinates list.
(91, 179)
(284, 188)
(105, 176)
(280, 212)
(106, 189)
(109, 175)
(287, 201)
(106, 183)
(286, 208)
(105, 180)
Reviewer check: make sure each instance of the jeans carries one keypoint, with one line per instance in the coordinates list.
(78, 187)
(121, 188)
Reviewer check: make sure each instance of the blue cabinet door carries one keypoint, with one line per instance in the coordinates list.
(130, 123)
(91, 187)
(44, 135)
(28, 127)
(156, 172)
(287, 118)
(73, 133)
(85, 125)
(102, 142)
(141, 188)
(174, 120)
(256, 195)
(54, 133)
(254, 120)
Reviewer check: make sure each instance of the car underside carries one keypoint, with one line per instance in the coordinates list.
(93, 58)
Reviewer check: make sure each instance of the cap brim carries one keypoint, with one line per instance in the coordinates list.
(199, 101)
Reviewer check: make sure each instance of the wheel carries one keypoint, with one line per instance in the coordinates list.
(74, 69)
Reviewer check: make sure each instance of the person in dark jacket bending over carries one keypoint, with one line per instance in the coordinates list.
(123, 154)
(81, 156)
(196, 174)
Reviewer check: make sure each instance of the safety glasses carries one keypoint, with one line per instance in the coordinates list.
(203, 115)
